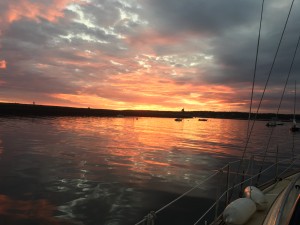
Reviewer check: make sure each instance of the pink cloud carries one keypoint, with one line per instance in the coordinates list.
(2, 64)
(17, 9)
(148, 39)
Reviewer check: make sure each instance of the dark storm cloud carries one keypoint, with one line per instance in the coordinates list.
(206, 17)
(232, 27)
(25, 46)
(28, 34)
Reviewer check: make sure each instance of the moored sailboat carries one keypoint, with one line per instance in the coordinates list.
(294, 127)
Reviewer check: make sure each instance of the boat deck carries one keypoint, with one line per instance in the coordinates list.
(274, 194)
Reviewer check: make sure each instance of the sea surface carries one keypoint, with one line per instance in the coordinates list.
(114, 171)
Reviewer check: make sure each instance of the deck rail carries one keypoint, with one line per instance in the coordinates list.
(272, 172)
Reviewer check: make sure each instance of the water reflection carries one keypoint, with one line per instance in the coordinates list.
(115, 170)
(27, 212)
(148, 146)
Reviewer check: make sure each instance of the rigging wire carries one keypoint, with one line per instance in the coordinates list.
(294, 119)
(251, 129)
(295, 103)
(184, 194)
(255, 65)
(279, 106)
(264, 90)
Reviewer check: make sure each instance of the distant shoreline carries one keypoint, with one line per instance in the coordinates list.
(32, 110)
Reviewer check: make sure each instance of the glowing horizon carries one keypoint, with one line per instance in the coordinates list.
(135, 55)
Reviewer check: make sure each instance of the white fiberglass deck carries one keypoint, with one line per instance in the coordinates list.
(274, 194)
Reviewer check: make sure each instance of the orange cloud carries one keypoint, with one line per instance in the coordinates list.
(147, 39)
(138, 90)
(2, 64)
(50, 11)
(144, 82)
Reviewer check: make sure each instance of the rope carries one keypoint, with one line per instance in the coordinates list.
(290, 166)
(187, 192)
(251, 101)
(184, 194)
(265, 154)
(149, 219)
(255, 65)
(280, 102)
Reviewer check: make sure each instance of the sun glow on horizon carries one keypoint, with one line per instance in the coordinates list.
(176, 104)
(125, 54)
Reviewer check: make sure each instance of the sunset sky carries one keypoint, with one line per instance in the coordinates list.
(146, 54)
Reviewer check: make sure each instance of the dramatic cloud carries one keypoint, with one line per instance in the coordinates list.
(50, 10)
(150, 54)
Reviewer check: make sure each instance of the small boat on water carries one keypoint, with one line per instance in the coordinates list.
(202, 119)
(271, 124)
(294, 127)
(181, 115)
(274, 123)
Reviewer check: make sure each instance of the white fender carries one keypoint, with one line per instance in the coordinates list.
(239, 211)
(257, 196)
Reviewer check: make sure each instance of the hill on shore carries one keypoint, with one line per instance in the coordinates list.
(32, 110)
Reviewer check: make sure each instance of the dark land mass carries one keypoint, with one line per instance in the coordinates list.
(32, 110)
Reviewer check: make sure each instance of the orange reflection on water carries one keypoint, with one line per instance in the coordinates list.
(126, 142)
(155, 146)
(156, 163)
(29, 212)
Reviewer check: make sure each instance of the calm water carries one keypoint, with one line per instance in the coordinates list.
(113, 171)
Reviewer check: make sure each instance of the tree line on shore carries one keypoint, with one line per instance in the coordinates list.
(15, 109)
